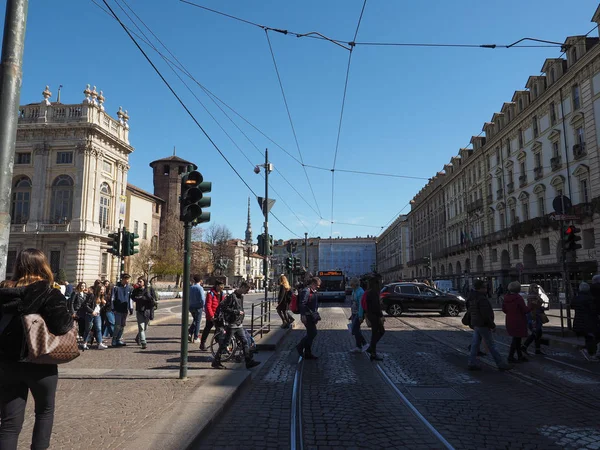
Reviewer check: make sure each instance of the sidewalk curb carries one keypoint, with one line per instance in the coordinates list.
(180, 428)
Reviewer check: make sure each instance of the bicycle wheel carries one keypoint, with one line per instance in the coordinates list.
(214, 347)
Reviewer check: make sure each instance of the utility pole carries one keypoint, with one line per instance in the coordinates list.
(266, 212)
(306, 250)
(11, 78)
(183, 362)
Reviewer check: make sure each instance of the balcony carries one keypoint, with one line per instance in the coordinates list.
(555, 163)
(579, 150)
(523, 181)
(18, 228)
(474, 206)
(510, 187)
(499, 194)
(538, 172)
(55, 227)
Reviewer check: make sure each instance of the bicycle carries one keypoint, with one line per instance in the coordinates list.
(234, 349)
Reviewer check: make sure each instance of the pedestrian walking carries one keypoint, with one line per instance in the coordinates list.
(92, 306)
(213, 299)
(233, 315)
(143, 297)
(74, 306)
(197, 300)
(516, 320)
(586, 321)
(33, 294)
(374, 316)
(537, 318)
(68, 289)
(482, 320)
(283, 302)
(309, 305)
(122, 304)
(106, 312)
(357, 317)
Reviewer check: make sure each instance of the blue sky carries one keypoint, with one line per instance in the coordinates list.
(408, 109)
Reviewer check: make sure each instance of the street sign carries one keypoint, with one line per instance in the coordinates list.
(564, 217)
(562, 204)
(261, 203)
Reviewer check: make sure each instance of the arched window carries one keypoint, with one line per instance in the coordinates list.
(21, 197)
(61, 205)
(104, 219)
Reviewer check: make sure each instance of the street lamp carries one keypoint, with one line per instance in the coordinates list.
(265, 205)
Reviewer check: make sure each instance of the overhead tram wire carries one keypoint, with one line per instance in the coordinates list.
(210, 95)
(339, 131)
(341, 42)
(181, 102)
(287, 108)
(201, 103)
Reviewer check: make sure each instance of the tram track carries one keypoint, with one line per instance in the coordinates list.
(549, 358)
(535, 382)
(296, 441)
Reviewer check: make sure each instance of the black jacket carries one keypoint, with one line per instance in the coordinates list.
(37, 298)
(373, 304)
(482, 314)
(586, 316)
(143, 298)
(75, 302)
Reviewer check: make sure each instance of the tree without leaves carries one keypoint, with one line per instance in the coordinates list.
(138, 264)
(217, 238)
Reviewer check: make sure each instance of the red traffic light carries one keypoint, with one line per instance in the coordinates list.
(571, 229)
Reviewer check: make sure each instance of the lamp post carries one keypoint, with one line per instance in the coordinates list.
(265, 205)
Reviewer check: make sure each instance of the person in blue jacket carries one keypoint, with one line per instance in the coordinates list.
(122, 304)
(197, 300)
(309, 306)
(357, 316)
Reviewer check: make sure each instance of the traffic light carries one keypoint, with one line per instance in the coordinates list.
(296, 263)
(269, 249)
(114, 245)
(570, 238)
(427, 262)
(192, 200)
(125, 242)
(290, 264)
(261, 244)
(133, 243)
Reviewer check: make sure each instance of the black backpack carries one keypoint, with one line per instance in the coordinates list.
(228, 311)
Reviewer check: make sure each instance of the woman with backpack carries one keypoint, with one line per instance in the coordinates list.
(374, 314)
(283, 302)
(143, 296)
(33, 293)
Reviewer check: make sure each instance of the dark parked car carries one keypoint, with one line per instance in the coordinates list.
(397, 298)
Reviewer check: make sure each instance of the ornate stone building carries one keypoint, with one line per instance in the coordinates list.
(489, 213)
(70, 179)
(393, 251)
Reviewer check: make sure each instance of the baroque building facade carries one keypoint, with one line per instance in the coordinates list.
(393, 246)
(489, 213)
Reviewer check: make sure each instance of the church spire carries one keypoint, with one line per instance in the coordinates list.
(248, 227)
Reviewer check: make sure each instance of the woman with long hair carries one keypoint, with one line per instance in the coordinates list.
(143, 296)
(33, 293)
(283, 301)
(374, 316)
(536, 305)
(92, 306)
(106, 311)
(74, 304)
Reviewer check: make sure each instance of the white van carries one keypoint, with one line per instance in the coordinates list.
(541, 292)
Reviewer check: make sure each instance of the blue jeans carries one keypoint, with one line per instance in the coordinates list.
(360, 340)
(120, 324)
(108, 325)
(96, 321)
(484, 333)
(195, 326)
(305, 344)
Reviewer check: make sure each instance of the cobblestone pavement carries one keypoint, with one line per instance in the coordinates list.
(490, 409)
(97, 412)
(338, 390)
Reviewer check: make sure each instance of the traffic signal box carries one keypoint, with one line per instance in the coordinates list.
(570, 238)
(193, 198)
(114, 245)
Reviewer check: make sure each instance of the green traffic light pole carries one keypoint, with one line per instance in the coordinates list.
(185, 301)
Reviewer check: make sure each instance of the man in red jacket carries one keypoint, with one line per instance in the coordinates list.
(213, 298)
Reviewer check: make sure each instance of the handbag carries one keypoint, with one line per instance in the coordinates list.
(466, 319)
(544, 317)
(43, 347)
